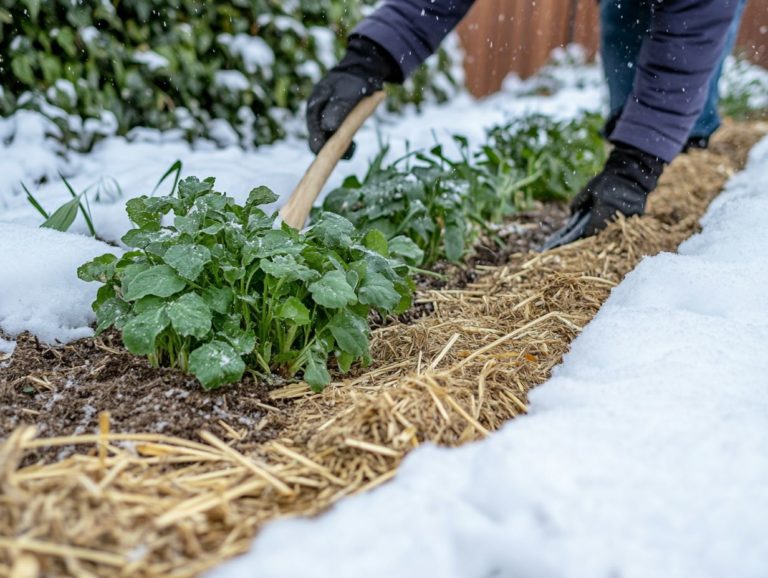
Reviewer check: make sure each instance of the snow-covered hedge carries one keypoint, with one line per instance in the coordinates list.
(183, 64)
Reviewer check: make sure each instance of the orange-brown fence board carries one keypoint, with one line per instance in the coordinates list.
(503, 36)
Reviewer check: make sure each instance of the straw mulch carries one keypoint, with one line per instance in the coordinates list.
(147, 505)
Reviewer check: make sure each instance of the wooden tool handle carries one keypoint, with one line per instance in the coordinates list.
(296, 210)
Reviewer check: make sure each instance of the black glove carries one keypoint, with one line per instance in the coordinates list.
(622, 187)
(363, 70)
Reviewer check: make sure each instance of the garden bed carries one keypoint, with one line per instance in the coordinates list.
(177, 506)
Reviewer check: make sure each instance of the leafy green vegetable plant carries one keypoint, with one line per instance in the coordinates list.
(422, 203)
(442, 202)
(214, 288)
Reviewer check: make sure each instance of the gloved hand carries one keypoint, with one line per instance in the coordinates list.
(363, 70)
(622, 187)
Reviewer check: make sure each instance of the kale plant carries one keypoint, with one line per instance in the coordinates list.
(214, 288)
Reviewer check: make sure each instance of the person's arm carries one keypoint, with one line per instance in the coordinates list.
(674, 70)
(386, 47)
(411, 30)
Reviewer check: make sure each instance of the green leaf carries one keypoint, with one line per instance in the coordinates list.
(378, 291)
(188, 260)
(333, 230)
(141, 214)
(261, 196)
(111, 312)
(404, 247)
(244, 342)
(158, 280)
(140, 332)
(293, 310)
(215, 364)
(274, 242)
(100, 269)
(376, 241)
(316, 370)
(345, 361)
(332, 290)
(63, 217)
(454, 241)
(219, 299)
(190, 316)
(350, 332)
(285, 267)
(191, 188)
(232, 273)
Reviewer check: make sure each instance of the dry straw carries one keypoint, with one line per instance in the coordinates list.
(145, 505)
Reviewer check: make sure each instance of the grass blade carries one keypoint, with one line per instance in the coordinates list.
(86, 213)
(175, 168)
(33, 201)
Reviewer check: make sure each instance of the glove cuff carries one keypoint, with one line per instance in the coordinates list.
(635, 165)
(369, 61)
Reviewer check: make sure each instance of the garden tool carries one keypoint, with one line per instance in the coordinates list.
(297, 208)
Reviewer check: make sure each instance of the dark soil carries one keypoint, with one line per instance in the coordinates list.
(63, 389)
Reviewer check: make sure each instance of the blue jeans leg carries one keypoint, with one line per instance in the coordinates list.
(709, 120)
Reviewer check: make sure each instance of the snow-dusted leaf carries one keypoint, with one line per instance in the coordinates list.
(332, 290)
(190, 315)
(293, 310)
(113, 311)
(188, 260)
(99, 269)
(261, 196)
(158, 280)
(140, 332)
(215, 364)
(285, 267)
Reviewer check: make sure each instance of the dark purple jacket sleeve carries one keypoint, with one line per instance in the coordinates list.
(411, 30)
(675, 66)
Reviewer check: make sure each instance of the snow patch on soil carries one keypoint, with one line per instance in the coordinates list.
(39, 288)
(645, 454)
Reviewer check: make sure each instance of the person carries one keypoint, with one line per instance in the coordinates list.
(661, 58)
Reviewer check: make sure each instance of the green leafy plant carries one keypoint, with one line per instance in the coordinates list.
(212, 287)
(442, 202)
(422, 203)
(536, 158)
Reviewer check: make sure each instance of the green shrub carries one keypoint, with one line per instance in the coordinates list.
(184, 64)
(222, 290)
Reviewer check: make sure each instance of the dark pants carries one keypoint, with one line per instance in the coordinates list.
(623, 26)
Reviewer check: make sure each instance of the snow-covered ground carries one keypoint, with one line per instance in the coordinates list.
(646, 455)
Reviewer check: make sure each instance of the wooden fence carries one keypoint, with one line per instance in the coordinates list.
(503, 36)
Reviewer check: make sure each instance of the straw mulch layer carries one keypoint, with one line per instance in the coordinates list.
(147, 505)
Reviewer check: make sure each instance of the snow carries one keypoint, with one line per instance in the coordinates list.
(254, 51)
(39, 288)
(151, 59)
(232, 80)
(644, 455)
